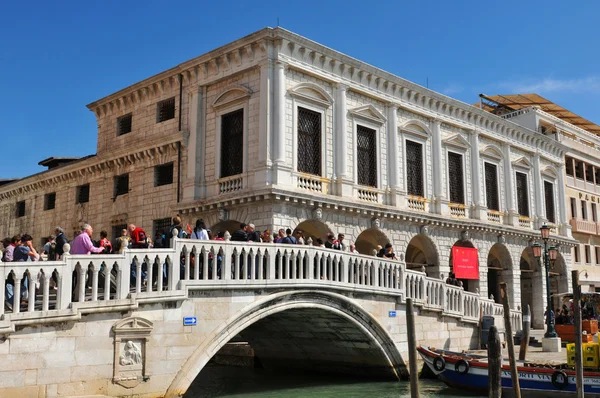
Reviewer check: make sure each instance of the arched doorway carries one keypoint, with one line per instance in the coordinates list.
(275, 327)
(531, 287)
(369, 239)
(500, 267)
(222, 226)
(559, 281)
(421, 251)
(470, 285)
(313, 229)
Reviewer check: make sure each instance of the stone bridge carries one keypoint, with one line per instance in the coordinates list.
(297, 306)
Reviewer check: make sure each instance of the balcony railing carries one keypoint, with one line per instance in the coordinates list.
(54, 295)
(584, 226)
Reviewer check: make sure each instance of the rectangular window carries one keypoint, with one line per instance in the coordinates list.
(163, 174)
(491, 187)
(309, 141)
(589, 173)
(121, 185)
(549, 198)
(366, 156)
(569, 166)
(161, 226)
(21, 208)
(576, 254)
(124, 124)
(588, 254)
(579, 170)
(522, 194)
(232, 143)
(50, 201)
(82, 194)
(594, 213)
(597, 253)
(597, 175)
(573, 208)
(414, 169)
(165, 110)
(455, 178)
(584, 210)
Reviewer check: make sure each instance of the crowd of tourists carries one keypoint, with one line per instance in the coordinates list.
(21, 248)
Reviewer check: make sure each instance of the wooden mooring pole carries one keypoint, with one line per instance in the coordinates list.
(578, 337)
(494, 349)
(412, 349)
(514, 375)
(525, 335)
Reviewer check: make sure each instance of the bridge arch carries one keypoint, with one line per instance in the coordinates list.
(380, 349)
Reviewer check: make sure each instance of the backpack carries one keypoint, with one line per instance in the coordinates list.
(52, 252)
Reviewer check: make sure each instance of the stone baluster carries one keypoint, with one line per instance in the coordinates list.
(107, 275)
(186, 272)
(31, 299)
(17, 295)
(46, 291)
(159, 274)
(81, 284)
(138, 272)
(95, 272)
(197, 264)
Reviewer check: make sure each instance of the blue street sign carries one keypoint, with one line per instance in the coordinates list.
(190, 321)
(392, 314)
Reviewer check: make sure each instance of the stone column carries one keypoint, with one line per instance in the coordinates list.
(265, 114)
(343, 183)
(16, 295)
(393, 154)
(281, 170)
(564, 227)
(538, 191)
(194, 172)
(511, 216)
(479, 209)
(439, 198)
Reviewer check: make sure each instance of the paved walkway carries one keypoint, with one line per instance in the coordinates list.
(534, 355)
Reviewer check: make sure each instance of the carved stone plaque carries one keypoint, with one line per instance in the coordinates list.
(131, 335)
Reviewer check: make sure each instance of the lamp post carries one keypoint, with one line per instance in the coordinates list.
(550, 254)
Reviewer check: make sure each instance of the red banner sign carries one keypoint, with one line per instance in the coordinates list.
(465, 262)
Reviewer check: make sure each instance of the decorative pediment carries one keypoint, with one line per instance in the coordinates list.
(416, 127)
(550, 172)
(458, 141)
(370, 113)
(522, 162)
(134, 325)
(492, 151)
(312, 92)
(232, 95)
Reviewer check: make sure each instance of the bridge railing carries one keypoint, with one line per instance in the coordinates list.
(99, 282)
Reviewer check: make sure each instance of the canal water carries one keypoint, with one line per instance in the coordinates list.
(240, 382)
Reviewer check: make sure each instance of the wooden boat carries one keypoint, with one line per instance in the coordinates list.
(470, 372)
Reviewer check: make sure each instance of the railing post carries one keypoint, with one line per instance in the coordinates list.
(226, 263)
(107, 276)
(272, 262)
(46, 291)
(31, 298)
(175, 276)
(95, 283)
(65, 282)
(17, 295)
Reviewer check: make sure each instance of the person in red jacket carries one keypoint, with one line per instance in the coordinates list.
(138, 237)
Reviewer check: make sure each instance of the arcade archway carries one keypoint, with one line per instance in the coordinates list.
(421, 251)
(499, 265)
(531, 286)
(229, 226)
(313, 229)
(470, 285)
(369, 239)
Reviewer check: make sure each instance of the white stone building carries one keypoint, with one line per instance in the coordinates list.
(582, 171)
(283, 132)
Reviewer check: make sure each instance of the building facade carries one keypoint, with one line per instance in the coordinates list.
(582, 172)
(283, 132)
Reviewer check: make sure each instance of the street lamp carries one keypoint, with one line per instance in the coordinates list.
(550, 254)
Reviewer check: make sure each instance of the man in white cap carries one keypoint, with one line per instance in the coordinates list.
(253, 236)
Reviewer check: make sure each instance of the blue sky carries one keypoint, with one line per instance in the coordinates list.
(56, 57)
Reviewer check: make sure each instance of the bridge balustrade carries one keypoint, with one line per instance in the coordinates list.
(61, 290)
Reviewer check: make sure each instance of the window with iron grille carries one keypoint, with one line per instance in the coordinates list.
(124, 124)
(569, 166)
(491, 187)
(50, 201)
(232, 143)
(82, 194)
(414, 169)
(161, 226)
(549, 197)
(589, 173)
(21, 208)
(597, 175)
(522, 194)
(455, 178)
(576, 252)
(579, 169)
(121, 185)
(309, 141)
(366, 156)
(163, 174)
(165, 110)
